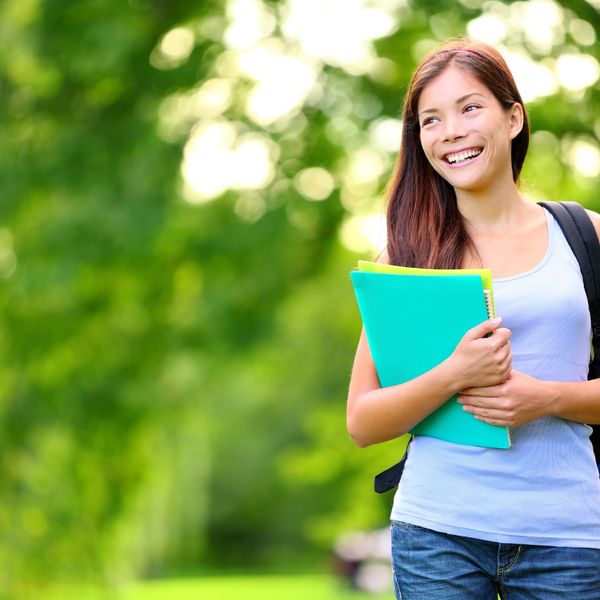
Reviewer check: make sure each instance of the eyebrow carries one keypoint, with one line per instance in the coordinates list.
(461, 99)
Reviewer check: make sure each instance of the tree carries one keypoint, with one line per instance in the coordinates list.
(177, 344)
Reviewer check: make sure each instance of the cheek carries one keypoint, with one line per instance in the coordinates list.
(426, 146)
(428, 152)
(503, 132)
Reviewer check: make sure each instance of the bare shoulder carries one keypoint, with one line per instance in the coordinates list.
(384, 256)
(595, 217)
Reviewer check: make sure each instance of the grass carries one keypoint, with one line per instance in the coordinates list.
(249, 587)
(272, 587)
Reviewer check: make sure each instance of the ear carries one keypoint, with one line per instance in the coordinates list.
(515, 120)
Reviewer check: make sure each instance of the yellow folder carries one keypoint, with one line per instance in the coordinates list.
(486, 275)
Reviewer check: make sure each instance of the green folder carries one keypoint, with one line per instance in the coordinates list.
(413, 322)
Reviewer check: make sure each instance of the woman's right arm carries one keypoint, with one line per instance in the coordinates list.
(376, 414)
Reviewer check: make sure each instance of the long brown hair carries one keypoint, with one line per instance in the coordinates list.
(424, 225)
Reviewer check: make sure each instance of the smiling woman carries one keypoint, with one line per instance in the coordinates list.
(470, 522)
(467, 125)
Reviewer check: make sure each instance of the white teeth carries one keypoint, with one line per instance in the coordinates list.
(455, 158)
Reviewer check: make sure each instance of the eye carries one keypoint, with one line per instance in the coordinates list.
(471, 107)
(428, 121)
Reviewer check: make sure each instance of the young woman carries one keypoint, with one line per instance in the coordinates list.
(467, 522)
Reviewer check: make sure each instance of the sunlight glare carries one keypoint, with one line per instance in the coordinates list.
(583, 33)
(253, 162)
(212, 98)
(314, 183)
(577, 71)
(217, 159)
(173, 49)
(180, 110)
(384, 71)
(283, 81)
(178, 43)
(360, 178)
(534, 79)
(584, 155)
(249, 22)
(364, 233)
(315, 24)
(365, 166)
(541, 22)
(489, 27)
(386, 133)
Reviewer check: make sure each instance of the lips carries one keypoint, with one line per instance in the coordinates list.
(462, 155)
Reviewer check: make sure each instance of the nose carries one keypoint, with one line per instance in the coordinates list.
(453, 129)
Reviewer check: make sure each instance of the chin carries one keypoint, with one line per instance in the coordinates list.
(466, 186)
(469, 182)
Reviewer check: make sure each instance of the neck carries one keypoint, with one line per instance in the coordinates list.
(492, 210)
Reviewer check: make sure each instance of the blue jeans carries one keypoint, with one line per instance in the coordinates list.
(429, 565)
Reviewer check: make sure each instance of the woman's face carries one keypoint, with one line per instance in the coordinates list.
(465, 132)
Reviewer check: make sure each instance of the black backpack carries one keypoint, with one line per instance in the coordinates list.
(583, 240)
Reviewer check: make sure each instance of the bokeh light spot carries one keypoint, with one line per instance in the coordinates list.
(314, 183)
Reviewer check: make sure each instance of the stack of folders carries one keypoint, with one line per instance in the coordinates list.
(413, 320)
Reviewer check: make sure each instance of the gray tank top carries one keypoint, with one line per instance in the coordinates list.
(545, 489)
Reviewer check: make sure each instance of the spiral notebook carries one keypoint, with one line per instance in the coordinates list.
(413, 321)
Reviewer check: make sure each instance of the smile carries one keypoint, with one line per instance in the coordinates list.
(458, 158)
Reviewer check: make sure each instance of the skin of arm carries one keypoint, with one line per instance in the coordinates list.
(521, 398)
(376, 414)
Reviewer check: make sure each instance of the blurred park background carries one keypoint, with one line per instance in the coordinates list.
(186, 186)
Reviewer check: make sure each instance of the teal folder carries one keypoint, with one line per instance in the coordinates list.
(413, 323)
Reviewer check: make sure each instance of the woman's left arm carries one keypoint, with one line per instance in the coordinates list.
(522, 398)
(579, 401)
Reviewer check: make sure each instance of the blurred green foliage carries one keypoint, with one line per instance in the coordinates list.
(224, 587)
(174, 373)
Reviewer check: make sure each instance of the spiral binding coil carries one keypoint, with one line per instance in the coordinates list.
(489, 306)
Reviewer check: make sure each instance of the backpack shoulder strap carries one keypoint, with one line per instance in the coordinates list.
(581, 236)
(390, 478)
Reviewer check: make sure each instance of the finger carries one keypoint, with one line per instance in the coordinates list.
(490, 401)
(484, 328)
(501, 337)
(506, 363)
(489, 391)
(474, 391)
(467, 392)
(486, 413)
(504, 332)
(473, 400)
(503, 358)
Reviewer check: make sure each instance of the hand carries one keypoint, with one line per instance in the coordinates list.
(520, 399)
(480, 361)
